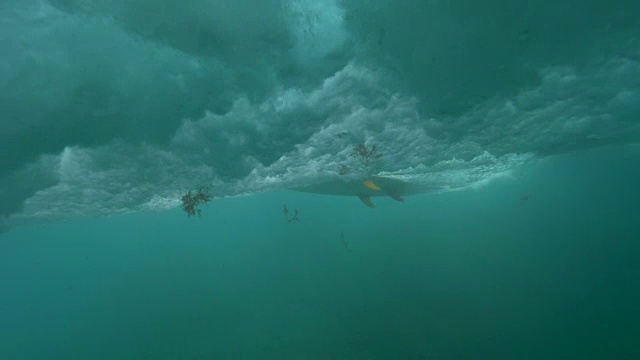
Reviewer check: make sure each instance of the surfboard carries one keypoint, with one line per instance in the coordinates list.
(363, 189)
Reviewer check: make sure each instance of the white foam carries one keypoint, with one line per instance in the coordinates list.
(301, 135)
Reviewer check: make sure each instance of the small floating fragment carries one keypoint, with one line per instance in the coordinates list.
(344, 242)
(294, 218)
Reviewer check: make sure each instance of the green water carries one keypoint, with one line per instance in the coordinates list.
(517, 122)
(464, 275)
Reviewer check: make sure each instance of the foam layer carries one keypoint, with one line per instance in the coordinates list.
(115, 107)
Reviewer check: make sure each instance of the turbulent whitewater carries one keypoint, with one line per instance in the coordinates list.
(119, 107)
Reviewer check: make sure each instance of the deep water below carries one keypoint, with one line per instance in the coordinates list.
(541, 266)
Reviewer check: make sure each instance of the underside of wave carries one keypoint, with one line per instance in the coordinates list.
(52, 205)
(445, 176)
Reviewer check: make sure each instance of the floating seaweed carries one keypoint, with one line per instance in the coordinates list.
(366, 155)
(294, 218)
(192, 200)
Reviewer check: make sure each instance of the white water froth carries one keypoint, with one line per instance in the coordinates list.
(353, 106)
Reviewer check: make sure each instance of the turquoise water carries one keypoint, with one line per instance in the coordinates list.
(471, 274)
(510, 128)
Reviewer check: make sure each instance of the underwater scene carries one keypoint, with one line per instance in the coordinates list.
(319, 179)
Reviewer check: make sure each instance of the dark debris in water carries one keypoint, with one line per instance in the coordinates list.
(294, 218)
(193, 200)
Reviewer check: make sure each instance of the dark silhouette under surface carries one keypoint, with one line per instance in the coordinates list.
(294, 218)
(191, 201)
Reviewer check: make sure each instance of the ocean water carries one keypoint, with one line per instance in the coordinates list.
(511, 130)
